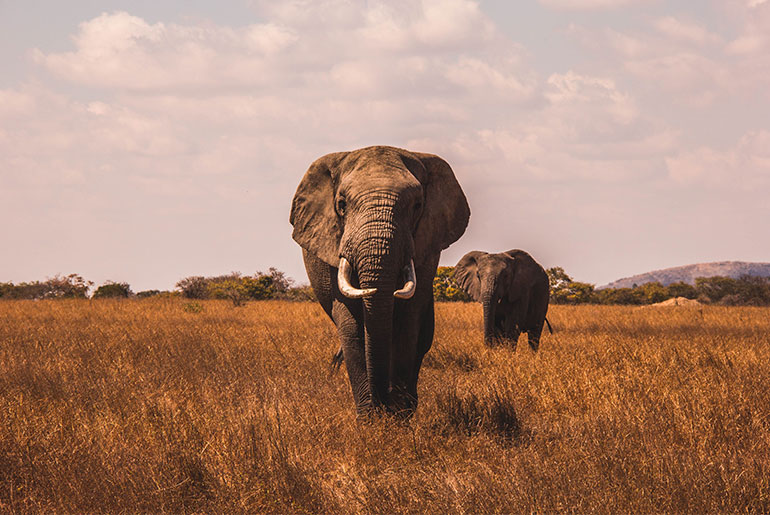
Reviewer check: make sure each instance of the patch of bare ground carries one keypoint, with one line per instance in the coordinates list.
(148, 406)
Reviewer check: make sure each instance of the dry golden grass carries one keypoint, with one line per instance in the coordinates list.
(155, 405)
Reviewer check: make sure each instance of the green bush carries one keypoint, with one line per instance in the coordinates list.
(232, 287)
(618, 296)
(445, 289)
(745, 291)
(566, 291)
(236, 287)
(194, 287)
(58, 287)
(682, 289)
(112, 290)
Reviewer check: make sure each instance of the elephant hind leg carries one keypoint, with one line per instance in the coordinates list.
(533, 336)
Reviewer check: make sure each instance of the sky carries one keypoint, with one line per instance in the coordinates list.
(145, 141)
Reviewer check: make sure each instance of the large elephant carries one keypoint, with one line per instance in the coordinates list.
(513, 290)
(372, 224)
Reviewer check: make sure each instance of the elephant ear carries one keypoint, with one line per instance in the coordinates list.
(446, 212)
(316, 226)
(466, 275)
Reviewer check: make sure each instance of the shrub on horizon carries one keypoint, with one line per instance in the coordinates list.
(112, 290)
(193, 287)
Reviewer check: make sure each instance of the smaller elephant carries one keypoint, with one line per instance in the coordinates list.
(514, 291)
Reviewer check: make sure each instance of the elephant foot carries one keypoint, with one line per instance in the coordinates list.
(370, 414)
(402, 404)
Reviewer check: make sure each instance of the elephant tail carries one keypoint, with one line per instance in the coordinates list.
(337, 360)
(546, 321)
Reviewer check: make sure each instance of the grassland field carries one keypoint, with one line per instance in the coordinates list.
(168, 405)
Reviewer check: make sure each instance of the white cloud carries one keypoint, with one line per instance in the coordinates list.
(685, 61)
(15, 103)
(744, 166)
(686, 31)
(587, 128)
(203, 90)
(124, 52)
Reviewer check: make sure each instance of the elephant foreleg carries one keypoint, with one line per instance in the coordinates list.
(508, 327)
(348, 317)
(412, 337)
(519, 314)
(500, 322)
(424, 343)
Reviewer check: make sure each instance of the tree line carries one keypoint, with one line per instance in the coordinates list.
(274, 284)
(235, 287)
(743, 291)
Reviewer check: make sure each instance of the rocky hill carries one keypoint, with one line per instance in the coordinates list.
(688, 273)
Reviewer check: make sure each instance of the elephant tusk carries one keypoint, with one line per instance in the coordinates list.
(407, 292)
(343, 282)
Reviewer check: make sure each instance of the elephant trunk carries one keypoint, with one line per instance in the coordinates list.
(378, 333)
(379, 254)
(489, 304)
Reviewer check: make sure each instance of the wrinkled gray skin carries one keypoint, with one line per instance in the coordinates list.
(513, 290)
(379, 207)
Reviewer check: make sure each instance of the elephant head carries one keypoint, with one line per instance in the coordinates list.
(489, 279)
(376, 215)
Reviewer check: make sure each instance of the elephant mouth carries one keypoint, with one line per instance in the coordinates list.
(344, 272)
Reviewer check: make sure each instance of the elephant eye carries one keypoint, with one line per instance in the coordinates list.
(341, 205)
(418, 207)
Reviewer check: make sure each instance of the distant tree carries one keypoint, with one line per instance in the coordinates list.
(57, 287)
(236, 287)
(682, 289)
(31, 290)
(259, 287)
(558, 278)
(194, 287)
(714, 289)
(619, 296)
(72, 286)
(113, 290)
(279, 282)
(653, 292)
(230, 287)
(744, 291)
(754, 290)
(579, 293)
(445, 288)
(5, 290)
(566, 291)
